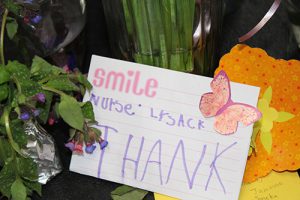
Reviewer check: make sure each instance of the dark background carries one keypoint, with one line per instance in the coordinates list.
(276, 38)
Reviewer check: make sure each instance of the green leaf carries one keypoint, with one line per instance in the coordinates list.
(63, 84)
(41, 69)
(27, 168)
(268, 94)
(19, 136)
(256, 129)
(70, 111)
(72, 133)
(128, 193)
(83, 80)
(284, 116)
(3, 92)
(4, 75)
(45, 107)
(12, 6)
(11, 27)
(5, 150)
(18, 190)
(7, 178)
(21, 76)
(266, 140)
(33, 185)
(88, 112)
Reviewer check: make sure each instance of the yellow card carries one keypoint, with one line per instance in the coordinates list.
(162, 197)
(276, 186)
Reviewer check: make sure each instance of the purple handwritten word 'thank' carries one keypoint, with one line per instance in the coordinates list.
(180, 148)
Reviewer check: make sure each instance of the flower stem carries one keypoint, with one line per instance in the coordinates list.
(4, 18)
(14, 145)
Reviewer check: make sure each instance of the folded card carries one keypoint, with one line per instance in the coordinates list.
(159, 139)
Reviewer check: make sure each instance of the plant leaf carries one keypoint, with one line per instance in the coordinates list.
(83, 80)
(40, 69)
(266, 140)
(27, 168)
(21, 76)
(63, 84)
(18, 190)
(45, 108)
(35, 186)
(3, 92)
(268, 94)
(18, 133)
(7, 178)
(70, 111)
(4, 75)
(128, 193)
(11, 27)
(12, 6)
(88, 112)
(284, 116)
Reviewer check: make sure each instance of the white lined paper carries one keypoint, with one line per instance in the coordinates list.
(177, 94)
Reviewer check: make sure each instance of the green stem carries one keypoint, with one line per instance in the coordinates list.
(53, 90)
(9, 133)
(2, 36)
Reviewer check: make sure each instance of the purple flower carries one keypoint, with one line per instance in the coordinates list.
(103, 144)
(70, 145)
(25, 116)
(36, 19)
(36, 112)
(41, 97)
(90, 148)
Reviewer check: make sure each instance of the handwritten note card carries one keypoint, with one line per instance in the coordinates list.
(158, 139)
(275, 186)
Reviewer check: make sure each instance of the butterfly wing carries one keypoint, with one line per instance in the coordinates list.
(227, 121)
(212, 102)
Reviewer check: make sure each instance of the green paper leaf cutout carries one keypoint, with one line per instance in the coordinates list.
(70, 110)
(11, 27)
(18, 190)
(256, 129)
(128, 193)
(268, 94)
(266, 140)
(284, 116)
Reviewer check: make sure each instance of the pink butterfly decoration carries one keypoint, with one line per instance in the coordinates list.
(227, 113)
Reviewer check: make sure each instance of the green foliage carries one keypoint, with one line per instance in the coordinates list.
(4, 75)
(87, 110)
(11, 27)
(69, 109)
(18, 190)
(33, 90)
(128, 193)
(63, 84)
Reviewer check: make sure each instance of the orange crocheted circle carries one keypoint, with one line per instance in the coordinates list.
(253, 66)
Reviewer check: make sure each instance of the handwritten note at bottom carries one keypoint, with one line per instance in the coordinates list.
(275, 186)
(158, 139)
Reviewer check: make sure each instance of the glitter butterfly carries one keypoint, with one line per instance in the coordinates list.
(227, 113)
